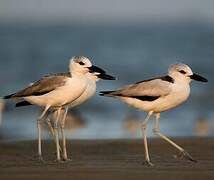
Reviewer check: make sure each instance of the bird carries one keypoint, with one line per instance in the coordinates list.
(2, 107)
(58, 92)
(157, 95)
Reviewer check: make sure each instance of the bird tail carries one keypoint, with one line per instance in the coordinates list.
(23, 103)
(8, 96)
(107, 93)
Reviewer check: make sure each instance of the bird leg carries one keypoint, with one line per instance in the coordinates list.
(186, 155)
(144, 133)
(57, 134)
(39, 133)
(62, 125)
(156, 131)
(52, 131)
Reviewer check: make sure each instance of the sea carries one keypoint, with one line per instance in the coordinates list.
(131, 52)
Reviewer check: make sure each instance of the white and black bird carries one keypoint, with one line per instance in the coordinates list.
(157, 95)
(60, 91)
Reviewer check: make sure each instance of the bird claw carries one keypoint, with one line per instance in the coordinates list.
(148, 163)
(185, 155)
(41, 159)
(58, 161)
(67, 159)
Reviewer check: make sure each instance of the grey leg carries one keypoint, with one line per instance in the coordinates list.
(144, 133)
(62, 125)
(156, 131)
(52, 132)
(57, 134)
(39, 133)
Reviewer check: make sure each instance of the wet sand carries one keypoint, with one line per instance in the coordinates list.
(108, 159)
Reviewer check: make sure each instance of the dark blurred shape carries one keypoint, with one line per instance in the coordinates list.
(131, 123)
(202, 127)
(74, 120)
(2, 106)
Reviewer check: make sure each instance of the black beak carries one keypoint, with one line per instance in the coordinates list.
(106, 77)
(198, 78)
(101, 73)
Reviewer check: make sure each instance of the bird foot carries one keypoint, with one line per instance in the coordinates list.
(185, 155)
(40, 158)
(148, 163)
(59, 161)
(66, 159)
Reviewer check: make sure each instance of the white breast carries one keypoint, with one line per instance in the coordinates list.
(87, 94)
(179, 94)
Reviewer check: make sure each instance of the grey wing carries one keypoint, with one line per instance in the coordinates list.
(153, 88)
(41, 87)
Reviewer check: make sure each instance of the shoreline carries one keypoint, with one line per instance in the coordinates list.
(108, 159)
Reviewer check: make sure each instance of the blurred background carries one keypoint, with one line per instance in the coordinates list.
(133, 40)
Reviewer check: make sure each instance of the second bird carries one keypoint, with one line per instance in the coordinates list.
(157, 95)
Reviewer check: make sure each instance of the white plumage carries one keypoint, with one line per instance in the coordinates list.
(157, 95)
(59, 92)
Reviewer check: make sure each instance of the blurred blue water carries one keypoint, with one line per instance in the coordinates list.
(130, 52)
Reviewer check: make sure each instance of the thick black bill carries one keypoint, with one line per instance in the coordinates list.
(106, 77)
(198, 78)
(95, 69)
(101, 73)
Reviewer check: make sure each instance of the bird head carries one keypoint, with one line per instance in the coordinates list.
(83, 66)
(184, 73)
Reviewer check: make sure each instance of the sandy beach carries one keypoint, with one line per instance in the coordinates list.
(108, 159)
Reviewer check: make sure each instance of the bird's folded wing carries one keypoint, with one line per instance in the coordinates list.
(156, 88)
(43, 86)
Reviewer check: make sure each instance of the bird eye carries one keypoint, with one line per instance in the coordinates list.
(81, 63)
(182, 72)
